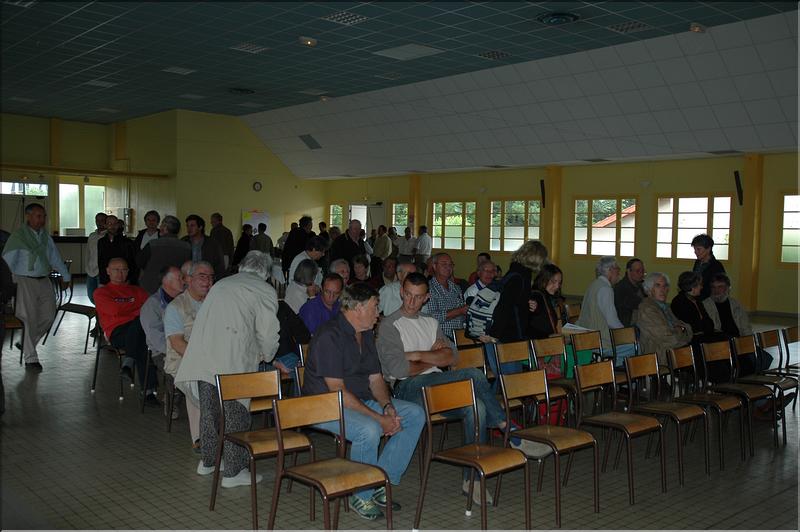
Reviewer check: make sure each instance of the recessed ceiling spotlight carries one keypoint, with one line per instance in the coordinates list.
(696, 27)
(241, 90)
(311, 42)
(108, 110)
(557, 18)
(324, 98)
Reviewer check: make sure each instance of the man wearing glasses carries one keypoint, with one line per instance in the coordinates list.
(321, 309)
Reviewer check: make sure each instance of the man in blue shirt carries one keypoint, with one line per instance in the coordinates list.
(31, 254)
(322, 308)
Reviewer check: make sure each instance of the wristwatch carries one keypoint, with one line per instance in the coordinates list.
(387, 405)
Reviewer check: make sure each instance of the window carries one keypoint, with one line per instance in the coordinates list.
(790, 239)
(69, 207)
(336, 216)
(400, 216)
(453, 225)
(681, 219)
(78, 202)
(605, 227)
(94, 201)
(23, 189)
(513, 222)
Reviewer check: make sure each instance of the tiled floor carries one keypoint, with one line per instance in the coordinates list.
(71, 459)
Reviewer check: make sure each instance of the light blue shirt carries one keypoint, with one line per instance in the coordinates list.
(173, 321)
(17, 259)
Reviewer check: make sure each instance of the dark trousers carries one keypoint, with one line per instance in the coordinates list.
(130, 337)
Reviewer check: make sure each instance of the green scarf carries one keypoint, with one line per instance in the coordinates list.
(34, 243)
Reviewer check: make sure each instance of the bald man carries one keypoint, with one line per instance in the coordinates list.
(152, 312)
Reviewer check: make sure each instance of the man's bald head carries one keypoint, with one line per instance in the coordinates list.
(117, 270)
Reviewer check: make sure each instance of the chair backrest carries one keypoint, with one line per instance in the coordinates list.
(302, 351)
(470, 356)
(519, 351)
(297, 412)
(258, 386)
(449, 396)
(573, 311)
(522, 385)
(460, 338)
(790, 336)
(681, 360)
(717, 352)
(624, 336)
(770, 339)
(587, 340)
(595, 376)
(640, 369)
(553, 346)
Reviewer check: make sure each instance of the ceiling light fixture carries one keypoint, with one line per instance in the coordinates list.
(311, 42)
(324, 98)
(696, 27)
(249, 48)
(241, 90)
(556, 18)
(345, 18)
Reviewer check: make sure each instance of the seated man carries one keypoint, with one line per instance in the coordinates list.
(322, 308)
(387, 275)
(343, 357)
(152, 316)
(412, 348)
(342, 267)
(390, 293)
(118, 304)
(178, 321)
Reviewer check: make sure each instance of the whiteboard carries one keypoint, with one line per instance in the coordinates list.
(255, 217)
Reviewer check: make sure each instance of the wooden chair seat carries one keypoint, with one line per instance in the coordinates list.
(265, 441)
(681, 412)
(489, 459)
(631, 423)
(85, 310)
(753, 392)
(336, 475)
(562, 439)
(725, 403)
(782, 383)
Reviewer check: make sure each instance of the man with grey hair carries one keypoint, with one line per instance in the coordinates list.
(390, 300)
(162, 252)
(151, 314)
(598, 312)
(235, 329)
(659, 329)
(349, 244)
(342, 356)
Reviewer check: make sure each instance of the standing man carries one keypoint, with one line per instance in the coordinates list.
(383, 245)
(628, 292)
(204, 248)
(349, 244)
(114, 244)
(31, 253)
(222, 236)
(261, 241)
(162, 252)
(150, 231)
(296, 242)
(405, 247)
(343, 357)
(424, 245)
(90, 262)
(446, 303)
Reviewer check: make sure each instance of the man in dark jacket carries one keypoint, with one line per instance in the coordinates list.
(223, 236)
(167, 250)
(349, 244)
(204, 248)
(628, 292)
(112, 246)
(296, 241)
(150, 232)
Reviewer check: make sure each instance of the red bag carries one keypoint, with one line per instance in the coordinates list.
(558, 412)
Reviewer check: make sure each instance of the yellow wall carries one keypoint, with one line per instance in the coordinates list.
(84, 145)
(219, 158)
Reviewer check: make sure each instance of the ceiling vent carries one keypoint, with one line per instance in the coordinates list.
(557, 18)
(345, 18)
(241, 91)
(189, 96)
(496, 166)
(101, 83)
(724, 152)
(311, 142)
(178, 70)
(314, 92)
(249, 48)
(108, 110)
(390, 76)
(631, 26)
(596, 160)
(494, 55)
(408, 52)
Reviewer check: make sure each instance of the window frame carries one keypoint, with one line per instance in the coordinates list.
(463, 224)
(82, 182)
(330, 216)
(709, 223)
(391, 215)
(618, 233)
(526, 226)
(779, 240)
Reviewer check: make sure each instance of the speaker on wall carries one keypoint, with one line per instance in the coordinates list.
(739, 191)
(541, 186)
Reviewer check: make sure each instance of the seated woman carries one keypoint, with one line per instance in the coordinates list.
(302, 287)
(659, 328)
(360, 270)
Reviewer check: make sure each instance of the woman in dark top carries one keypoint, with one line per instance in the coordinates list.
(360, 270)
(243, 244)
(511, 314)
(706, 264)
(543, 321)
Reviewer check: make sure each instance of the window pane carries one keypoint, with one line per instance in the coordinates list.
(581, 205)
(627, 234)
(790, 254)
(581, 220)
(664, 250)
(665, 220)
(470, 206)
(697, 221)
(533, 233)
(693, 204)
(720, 236)
(515, 232)
(685, 251)
(722, 204)
(452, 231)
(40, 189)
(607, 234)
(437, 219)
(685, 236)
(580, 247)
(664, 204)
(437, 208)
(494, 232)
(94, 201)
(452, 243)
(534, 206)
(437, 242)
(437, 230)
(510, 244)
(791, 220)
(7, 187)
(604, 211)
(664, 235)
(791, 203)
(469, 243)
(581, 233)
(603, 248)
(453, 207)
(68, 199)
(535, 219)
(721, 220)
(791, 237)
(469, 232)
(515, 207)
(721, 251)
(626, 249)
(400, 214)
(494, 244)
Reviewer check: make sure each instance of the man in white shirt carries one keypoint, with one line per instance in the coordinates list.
(90, 261)
(424, 245)
(406, 246)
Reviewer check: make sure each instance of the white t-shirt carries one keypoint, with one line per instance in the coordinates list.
(424, 244)
(406, 246)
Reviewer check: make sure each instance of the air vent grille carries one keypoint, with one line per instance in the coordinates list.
(311, 142)
(494, 55)
(345, 18)
(631, 26)
(249, 48)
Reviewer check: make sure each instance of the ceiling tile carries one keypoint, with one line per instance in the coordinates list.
(630, 147)
(633, 53)
(604, 105)
(711, 140)
(645, 75)
(541, 90)
(553, 66)
(643, 123)
(743, 138)
(618, 79)
(665, 47)
(617, 126)
(708, 66)
(753, 87)
(776, 135)
(683, 141)
(700, 117)
(579, 62)
(676, 70)
(580, 108)
(658, 98)
(777, 55)
(719, 91)
(688, 95)
(789, 106)
(731, 115)
(765, 111)
(730, 36)
(605, 58)
(742, 60)
(766, 29)
(605, 148)
(655, 144)
(631, 102)
(566, 87)
(671, 121)
(591, 83)
(784, 82)
(556, 111)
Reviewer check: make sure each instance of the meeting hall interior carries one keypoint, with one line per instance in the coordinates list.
(601, 129)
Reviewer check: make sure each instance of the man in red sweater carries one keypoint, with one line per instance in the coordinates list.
(118, 304)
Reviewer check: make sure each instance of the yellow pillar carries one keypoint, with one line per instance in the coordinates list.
(551, 213)
(55, 142)
(55, 160)
(120, 141)
(749, 259)
(415, 214)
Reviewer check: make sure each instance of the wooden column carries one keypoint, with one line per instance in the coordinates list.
(551, 214)
(415, 214)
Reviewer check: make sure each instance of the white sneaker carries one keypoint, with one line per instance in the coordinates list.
(207, 470)
(241, 479)
(533, 449)
(476, 493)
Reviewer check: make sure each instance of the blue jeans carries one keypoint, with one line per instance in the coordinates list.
(365, 435)
(91, 286)
(508, 368)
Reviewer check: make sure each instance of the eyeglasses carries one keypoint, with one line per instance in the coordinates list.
(121, 270)
(331, 293)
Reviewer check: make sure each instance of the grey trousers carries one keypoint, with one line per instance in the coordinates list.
(237, 418)
(36, 308)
